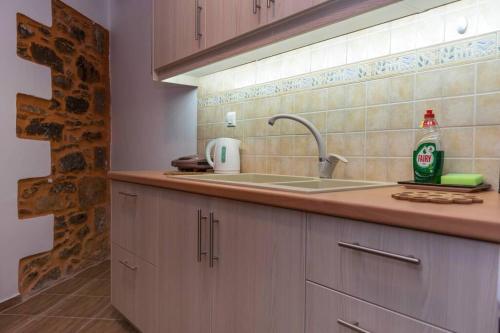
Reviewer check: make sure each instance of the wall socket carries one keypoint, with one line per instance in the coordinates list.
(231, 119)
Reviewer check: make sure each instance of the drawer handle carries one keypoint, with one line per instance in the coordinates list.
(211, 257)
(269, 3)
(256, 6)
(356, 246)
(126, 264)
(128, 194)
(200, 218)
(354, 326)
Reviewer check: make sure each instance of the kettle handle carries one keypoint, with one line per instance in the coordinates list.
(208, 150)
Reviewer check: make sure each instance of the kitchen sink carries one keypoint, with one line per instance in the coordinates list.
(288, 183)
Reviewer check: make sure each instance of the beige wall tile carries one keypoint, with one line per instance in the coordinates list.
(336, 97)
(487, 141)
(303, 101)
(488, 76)
(488, 109)
(305, 166)
(421, 106)
(400, 143)
(355, 120)
(305, 145)
(399, 169)
(335, 121)
(247, 109)
(318, 119)
(319, 100)
(273, 145)
(377, 92)
(376, 144)
(200, 132)
(401, 88)
(267, 107)
(458, 165)
(377, 117)
(355, 95)
(254, 146)
(457, 142)
(458, 81)
(354, 145)
(490, 169)
(335, 143)
(376, 169)
(354, 169)
(457, 112)
(280, 165)
(256, 127)
(288, 104)
(401, 116)
(429, 85)
(260, 164)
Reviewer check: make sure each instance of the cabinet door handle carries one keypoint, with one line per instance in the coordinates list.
(354, 326)
(256, 6)
(200, 218)
(197, 23)
(357, 247)
(212, 258)
(133, 195)
(269, 3)
(126, 264)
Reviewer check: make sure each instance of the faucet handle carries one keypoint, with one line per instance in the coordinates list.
(334, 158)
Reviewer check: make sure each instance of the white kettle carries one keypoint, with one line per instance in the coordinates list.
(226, 155)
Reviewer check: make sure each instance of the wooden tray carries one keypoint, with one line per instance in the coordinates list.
(438, 197)
(444, 187)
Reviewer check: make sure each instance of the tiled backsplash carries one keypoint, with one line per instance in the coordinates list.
(369, 112)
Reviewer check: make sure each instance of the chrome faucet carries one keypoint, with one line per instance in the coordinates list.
(327, 162)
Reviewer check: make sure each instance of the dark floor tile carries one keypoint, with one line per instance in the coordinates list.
(94, 271)
(109, 326)
(104, 275)
(54, 325)
(11, 323)
(10, 303)
(80, 306)
(110, 313)
(36, 304)
(68, 286)
(96, 288)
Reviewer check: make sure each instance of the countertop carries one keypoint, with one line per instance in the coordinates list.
(476, 221)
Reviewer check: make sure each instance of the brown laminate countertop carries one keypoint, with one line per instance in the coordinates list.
(476, 221)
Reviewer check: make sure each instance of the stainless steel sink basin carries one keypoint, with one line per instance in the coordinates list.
(287, 183)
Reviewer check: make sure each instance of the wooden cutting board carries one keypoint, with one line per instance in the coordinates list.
(438, 197)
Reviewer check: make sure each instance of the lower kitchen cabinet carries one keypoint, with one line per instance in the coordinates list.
(134, 289)
(230, 266)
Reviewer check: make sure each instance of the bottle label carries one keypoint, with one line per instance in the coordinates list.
(427, 162)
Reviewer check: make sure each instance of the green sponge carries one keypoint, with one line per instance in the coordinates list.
(468, 179)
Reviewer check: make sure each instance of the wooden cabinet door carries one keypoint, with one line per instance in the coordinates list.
(279, 9)
(179, 28)
(135, 215)
(250, 16)
(146, 297)
(260, 271)
(185, 295)
(123, 281)
(221, 21)
(123, 214)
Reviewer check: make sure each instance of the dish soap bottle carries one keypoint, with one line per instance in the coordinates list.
(428, 158)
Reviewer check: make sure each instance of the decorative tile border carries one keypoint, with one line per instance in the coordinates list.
(457, 52)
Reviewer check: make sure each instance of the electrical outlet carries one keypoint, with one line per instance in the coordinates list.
(231, 119)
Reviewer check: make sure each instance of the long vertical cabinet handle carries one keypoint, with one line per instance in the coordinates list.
(211, 257)
(269, 3)
(200, 252)
(256, 6)
(354, 326)
(197, 24)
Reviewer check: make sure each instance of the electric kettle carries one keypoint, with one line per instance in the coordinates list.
(226, 155)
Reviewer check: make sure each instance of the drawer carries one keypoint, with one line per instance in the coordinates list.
(135, 219)
(134, 289)
(452, 285)
(331, 312)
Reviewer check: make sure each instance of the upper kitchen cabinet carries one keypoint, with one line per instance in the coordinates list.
(279, 9)
(193, 38)
(221, 21)
(179, 29)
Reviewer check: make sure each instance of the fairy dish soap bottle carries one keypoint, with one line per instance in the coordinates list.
(428, 157)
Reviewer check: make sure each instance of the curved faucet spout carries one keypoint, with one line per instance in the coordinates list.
(310, 126)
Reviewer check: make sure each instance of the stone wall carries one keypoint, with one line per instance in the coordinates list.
(76, 122)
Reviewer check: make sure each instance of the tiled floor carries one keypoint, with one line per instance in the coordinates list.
(78, 305)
